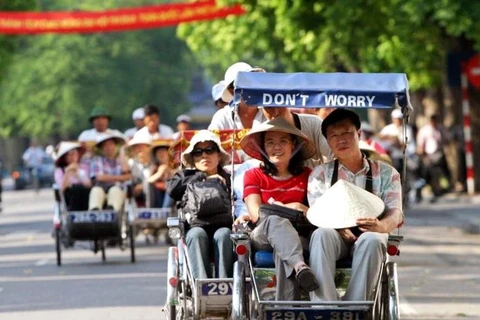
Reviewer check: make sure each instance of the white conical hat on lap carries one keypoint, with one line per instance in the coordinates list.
(341, 205)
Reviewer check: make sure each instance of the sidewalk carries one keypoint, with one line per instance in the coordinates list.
(453, 209)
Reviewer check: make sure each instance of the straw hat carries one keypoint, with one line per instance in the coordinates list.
(342, 204)
(118, 138)
(252, 144)
(203, 136)
(371, 153)
(65, 147)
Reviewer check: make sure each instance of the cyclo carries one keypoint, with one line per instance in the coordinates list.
(148, 213)
(102, 228)
(254, 278)
(188, 297)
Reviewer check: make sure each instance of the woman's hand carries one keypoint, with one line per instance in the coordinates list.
(242, 219)
(72, 167)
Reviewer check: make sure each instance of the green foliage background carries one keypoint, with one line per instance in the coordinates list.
(411, 36)
(51, 82)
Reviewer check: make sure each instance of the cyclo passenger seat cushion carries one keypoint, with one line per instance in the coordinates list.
(296, 217)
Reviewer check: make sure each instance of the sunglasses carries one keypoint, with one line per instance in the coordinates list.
(208, 150)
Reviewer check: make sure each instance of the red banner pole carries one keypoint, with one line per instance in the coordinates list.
(467, 132)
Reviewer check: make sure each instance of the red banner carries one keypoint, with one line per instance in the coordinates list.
(113, 20)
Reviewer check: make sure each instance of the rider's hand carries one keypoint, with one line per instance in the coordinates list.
(213, 176)
(347, 235)
(243, 218)
(371, 224)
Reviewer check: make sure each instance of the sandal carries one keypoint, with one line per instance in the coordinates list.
(306, 279)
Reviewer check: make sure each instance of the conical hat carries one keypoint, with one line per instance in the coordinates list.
(342, 204)
(251, 143)
(65, 147)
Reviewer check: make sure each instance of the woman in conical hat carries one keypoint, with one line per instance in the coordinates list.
(281, 180)
(69, 175)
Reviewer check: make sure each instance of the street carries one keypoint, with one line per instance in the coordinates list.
(32, 286)
(438, 267)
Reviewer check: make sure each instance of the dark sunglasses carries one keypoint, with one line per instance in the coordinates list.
(208, 150)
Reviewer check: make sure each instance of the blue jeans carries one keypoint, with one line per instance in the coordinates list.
(199, 241)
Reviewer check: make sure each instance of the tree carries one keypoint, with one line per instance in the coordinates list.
(54, 82)
(409, 36)
(8, 43)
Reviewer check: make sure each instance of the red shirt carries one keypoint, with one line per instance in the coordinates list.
(293, 189)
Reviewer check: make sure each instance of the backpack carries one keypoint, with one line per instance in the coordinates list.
(207, 202)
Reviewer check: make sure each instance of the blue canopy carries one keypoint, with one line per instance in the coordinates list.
(315, 90)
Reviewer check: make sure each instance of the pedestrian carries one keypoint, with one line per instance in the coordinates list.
(137, 117)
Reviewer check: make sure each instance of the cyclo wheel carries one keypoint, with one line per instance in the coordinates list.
(392, 299)
(58, 245)
(131, 232)
(239, 302)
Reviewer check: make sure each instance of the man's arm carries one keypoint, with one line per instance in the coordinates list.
(391, 220)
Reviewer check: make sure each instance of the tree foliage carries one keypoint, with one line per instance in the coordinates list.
(8, 43)
(411, 36)
(55, 80)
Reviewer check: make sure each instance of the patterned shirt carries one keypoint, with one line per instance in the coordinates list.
(386, 181)
(103, 165)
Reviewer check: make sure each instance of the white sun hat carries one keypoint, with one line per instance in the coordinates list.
(140, 139)
(397, 114)
(65, 147)
(342, 204)
(203, 136)
(231, 74)
(138, 114)
(217, 90)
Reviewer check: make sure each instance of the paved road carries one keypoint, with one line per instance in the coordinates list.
(438, 268)
(32, 286)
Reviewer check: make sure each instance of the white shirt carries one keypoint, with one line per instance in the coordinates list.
(392, 130)
(223, 119)
(129, 133)
(311, 126)
(91, 134)
(431, 139)
(164, 132)
(33, 156)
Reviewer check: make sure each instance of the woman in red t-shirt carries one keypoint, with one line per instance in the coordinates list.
(282, 179)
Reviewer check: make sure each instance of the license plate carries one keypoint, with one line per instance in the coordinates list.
(86, 217)
(150, 214)
(217, 289)
(314, 314)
